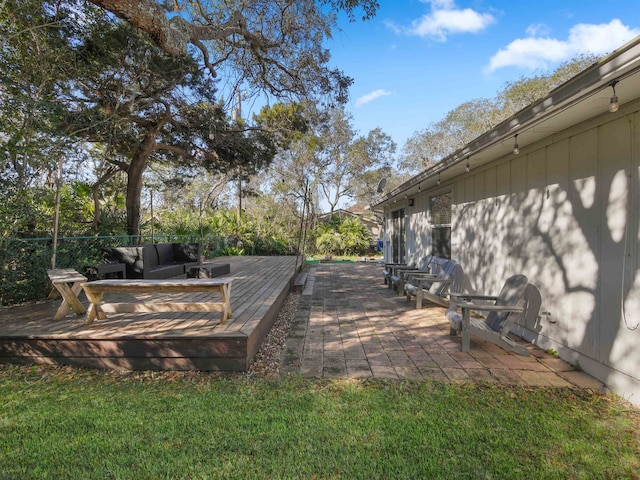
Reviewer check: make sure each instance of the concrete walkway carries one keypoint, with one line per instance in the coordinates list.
(350, 325)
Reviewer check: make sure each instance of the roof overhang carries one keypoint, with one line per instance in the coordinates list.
(585, 96)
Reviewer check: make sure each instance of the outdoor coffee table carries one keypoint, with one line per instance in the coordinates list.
(117, 270)
(208, 270)
(68, 282)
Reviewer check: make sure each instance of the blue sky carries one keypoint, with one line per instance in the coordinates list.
(419, 59)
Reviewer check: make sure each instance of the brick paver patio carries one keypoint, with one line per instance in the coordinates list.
(349, 324)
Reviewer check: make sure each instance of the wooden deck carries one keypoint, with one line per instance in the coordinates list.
(156, 341)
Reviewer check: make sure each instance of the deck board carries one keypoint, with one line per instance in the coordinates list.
(160, 340)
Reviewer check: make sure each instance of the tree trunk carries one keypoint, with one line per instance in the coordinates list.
(95, 193)
(139, 163)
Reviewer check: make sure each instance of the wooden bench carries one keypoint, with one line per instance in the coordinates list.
(68, 283)
(96, 290)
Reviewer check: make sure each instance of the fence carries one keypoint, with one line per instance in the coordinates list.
(25, 261)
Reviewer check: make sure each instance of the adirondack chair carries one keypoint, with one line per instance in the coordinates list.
(433, 286)
(389, 269)
(401, 273)
(502, 313)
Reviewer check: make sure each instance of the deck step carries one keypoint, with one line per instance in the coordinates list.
(299, 282)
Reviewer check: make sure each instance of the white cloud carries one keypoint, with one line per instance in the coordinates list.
(446, 19)
(537, 52)
(370, 97)
(537, 29)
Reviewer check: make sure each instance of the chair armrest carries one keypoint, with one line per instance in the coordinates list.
(431, 281)
(424, 276)
(442, 280)
(405, 271)
(492, 308)
(471, 296)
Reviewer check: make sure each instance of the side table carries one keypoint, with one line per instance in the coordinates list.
(208, 270)
(111, 270)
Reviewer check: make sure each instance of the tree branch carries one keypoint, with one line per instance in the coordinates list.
(174, 35)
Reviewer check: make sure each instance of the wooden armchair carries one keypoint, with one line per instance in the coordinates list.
(432, 286)
(502, 311)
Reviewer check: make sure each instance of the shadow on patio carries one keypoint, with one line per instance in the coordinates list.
(349, 324)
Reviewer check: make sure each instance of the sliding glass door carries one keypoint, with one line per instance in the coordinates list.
(398, 236)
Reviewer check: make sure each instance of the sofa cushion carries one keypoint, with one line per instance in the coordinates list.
(165, 271)
(130, 256)
(186, 252)
(150, 256)
(165, 253)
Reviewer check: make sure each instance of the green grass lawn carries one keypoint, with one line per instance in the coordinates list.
(72, 424)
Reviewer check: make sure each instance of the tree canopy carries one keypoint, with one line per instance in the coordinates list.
(104, 87)
(269, 46)
(474, 117)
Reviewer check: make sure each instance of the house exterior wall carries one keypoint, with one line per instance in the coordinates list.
(565, 213)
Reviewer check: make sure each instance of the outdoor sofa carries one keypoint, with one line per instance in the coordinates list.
(155, 261)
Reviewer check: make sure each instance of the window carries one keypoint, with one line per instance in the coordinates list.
(441, 225)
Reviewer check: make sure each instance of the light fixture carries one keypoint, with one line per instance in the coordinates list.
(438, 178)
(419, 188)
(516, 147)
(613, 103)
(467, 168)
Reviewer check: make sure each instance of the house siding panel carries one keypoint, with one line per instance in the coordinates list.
(535, 246)
(615, 196)
(546, 267)
(579, 234)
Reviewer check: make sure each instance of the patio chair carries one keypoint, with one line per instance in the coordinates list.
(502, 310)
(387, 271)
(401, 273)
(433, 286)
(389, 268)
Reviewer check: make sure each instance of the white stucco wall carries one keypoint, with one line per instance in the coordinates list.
(565, 213)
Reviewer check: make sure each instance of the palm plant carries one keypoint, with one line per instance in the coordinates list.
(356, 239)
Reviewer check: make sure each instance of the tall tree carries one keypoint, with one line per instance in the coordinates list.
(347, 157)
(150, 107)
(33, 59)
(376, 150)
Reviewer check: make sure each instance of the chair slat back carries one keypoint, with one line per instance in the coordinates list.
(439, 288)
(511, 293)
(425, 262)
(459, 281)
